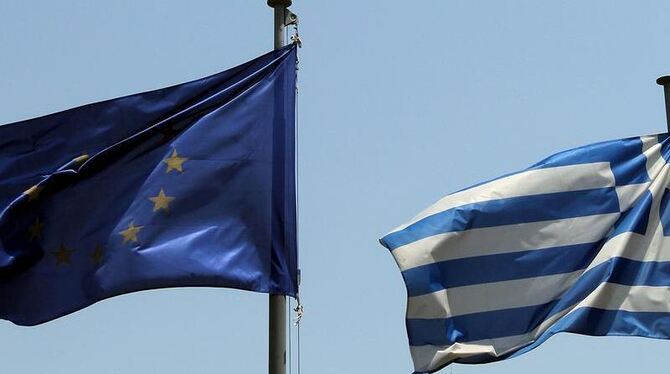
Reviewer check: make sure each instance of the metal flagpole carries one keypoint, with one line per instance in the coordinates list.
(277, 304)
(665, 82)
(277, 335)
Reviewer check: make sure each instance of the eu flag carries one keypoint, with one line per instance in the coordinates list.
(190, 185)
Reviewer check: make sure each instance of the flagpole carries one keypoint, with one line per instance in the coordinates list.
(665, 82)
(277, 303)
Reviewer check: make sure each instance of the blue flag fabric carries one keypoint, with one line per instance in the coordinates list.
(191, 185)
(576, 243)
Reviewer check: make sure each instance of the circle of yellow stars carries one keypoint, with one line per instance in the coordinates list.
(161, 202)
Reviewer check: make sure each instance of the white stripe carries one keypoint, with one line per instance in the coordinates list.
(607, 296)
(648, 141)
(504, 239)
(634, 247)
(490, 296)
(530, 182)
(428, 357)
(612, 296)
(655, 161)
(629, 194)
(651, 149)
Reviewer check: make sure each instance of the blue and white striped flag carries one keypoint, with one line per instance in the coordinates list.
(576, 242)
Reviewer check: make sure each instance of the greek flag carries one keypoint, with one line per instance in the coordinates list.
(574, 243)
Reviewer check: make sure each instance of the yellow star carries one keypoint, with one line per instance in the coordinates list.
(174, 162)
(36, 229)
(33, 192)
(98, 254)
(62, 255)
(130, 234)
(161, 201)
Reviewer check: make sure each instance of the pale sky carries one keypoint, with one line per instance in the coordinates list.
(400, 104)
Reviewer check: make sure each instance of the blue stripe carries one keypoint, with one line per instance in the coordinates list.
(665, 146)
(500, 267)
(665, 212)
(600, 322)
(636, 218)
(627, 162)
(625, 156)
(516, 321)
(509, 211)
